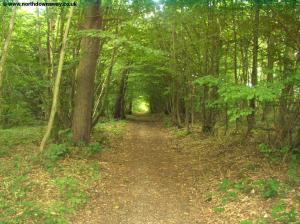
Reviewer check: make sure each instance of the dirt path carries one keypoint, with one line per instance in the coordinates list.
(143, 181)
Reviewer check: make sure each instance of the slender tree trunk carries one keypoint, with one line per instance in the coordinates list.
(4, 54)
(104, 91)
(251, 117)
(120, 101)
(270, 58)
(49, 72)
(82, 117)
(105, 86)
(193, 105)
(57, 84)
(235, 65)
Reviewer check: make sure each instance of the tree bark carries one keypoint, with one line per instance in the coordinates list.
(83, 104)
(120, 101)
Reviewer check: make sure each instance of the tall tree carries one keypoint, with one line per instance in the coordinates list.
(83, 105)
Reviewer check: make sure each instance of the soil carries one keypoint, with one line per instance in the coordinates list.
(143, 181)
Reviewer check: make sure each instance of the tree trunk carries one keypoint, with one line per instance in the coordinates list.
(4, 53)
(251, 117)
(284, 123)
(57, 84)
(83, 104)
(120, 101)
(270, 56)
(104, 90)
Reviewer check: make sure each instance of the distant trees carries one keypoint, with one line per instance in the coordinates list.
(214, 51)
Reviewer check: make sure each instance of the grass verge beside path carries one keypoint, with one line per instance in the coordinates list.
(241, 183)
(48, 187)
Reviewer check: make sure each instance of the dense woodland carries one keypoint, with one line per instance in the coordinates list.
(225, 64)
(230, 67)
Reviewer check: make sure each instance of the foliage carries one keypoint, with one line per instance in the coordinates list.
(229, 196)
(269, 187)
(225, 185)
(94, 148)
(54, 152)
(19, 136)
(265, 149)
(280, 214)
(189, 59)
(219, 209)
(180, 132)
(293, 168)
(246, 221)
(72, 195)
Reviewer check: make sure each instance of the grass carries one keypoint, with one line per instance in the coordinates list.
(18, 136)
(108, 130)
(47, 187)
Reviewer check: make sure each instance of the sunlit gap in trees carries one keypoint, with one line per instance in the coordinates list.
(140, 105)
(31, 9)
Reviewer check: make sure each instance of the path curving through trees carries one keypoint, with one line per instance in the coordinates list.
(143, 181)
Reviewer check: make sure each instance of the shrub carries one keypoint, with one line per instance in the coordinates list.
(219, 209)
(280, 214)
(265, 149)
(270, 187)
(54, 152)
(225, 185)
(94, 148)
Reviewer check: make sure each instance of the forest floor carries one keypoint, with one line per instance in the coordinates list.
(156, 175)
(144, 171)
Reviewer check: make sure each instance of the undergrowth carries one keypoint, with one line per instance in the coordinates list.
(277, 190)
(47, 187)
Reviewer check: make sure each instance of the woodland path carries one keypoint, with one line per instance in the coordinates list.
(144, 181)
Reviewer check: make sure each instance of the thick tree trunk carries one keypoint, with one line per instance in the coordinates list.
(57, 84)
(4, 53)
(251, 117)
(83, 105)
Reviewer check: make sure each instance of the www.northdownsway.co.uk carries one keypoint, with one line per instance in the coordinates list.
(59, 4)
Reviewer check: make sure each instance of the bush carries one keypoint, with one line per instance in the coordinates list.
(280, 214)
(94, 148)
(265, 149)
(225, 185)
(55, 152)
(270, 187)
